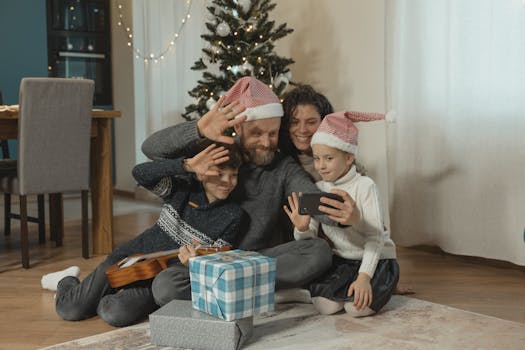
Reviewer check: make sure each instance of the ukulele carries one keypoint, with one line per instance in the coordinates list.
(139, 267)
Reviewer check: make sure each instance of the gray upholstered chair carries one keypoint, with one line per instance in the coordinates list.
(54, 146)
(8, 167)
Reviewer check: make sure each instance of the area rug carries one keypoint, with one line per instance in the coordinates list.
(404, 323)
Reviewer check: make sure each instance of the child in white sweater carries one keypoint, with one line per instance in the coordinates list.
(364, 270)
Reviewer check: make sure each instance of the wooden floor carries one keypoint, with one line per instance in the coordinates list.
(29, 320)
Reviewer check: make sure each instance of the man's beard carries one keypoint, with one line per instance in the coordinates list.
(258, 158)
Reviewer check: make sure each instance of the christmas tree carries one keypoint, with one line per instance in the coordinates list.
(240, 42)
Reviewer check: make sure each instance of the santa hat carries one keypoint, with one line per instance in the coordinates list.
(257, 97)
(337, 130)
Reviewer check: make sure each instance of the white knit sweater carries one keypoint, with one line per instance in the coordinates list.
(368, 240)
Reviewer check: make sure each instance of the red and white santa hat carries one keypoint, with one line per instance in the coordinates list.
(337, 130)
(259, 100)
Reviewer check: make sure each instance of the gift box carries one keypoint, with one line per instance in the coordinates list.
(233, 285)
(179, 325)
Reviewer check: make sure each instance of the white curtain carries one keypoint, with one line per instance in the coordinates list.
(455, 76)
(161, 89)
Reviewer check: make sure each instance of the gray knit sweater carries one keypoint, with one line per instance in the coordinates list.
(261, 192)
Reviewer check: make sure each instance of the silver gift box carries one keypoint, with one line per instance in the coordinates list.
(178, 324)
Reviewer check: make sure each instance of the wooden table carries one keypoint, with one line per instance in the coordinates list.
(101, 178)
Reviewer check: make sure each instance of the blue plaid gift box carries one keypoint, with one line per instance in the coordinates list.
(232, 285)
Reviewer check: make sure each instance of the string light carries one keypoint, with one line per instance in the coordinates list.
(155, 57)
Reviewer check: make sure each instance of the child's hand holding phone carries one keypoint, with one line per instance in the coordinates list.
(301, 222)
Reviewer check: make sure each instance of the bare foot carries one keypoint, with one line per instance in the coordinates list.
(403, 290)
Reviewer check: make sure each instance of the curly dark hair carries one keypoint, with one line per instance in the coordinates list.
(302, 94)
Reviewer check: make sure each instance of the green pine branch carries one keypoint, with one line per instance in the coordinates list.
(248, 49)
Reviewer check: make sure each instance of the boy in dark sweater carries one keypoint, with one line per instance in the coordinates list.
(195, 211)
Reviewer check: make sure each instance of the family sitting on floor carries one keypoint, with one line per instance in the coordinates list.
(226, 191)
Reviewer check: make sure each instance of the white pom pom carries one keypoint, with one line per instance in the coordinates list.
(391, 116)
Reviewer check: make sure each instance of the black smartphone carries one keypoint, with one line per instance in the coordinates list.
(309, 202)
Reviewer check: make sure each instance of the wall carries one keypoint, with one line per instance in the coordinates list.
(23, 50)
(338, 46)
(125, 149)
(24, 44)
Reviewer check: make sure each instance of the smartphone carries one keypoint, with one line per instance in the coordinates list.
(310, 202)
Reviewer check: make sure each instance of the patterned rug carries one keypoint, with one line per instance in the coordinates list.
(404, 323)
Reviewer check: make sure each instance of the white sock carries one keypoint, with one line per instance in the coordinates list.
(352, 311)
(50, 281)
(296, 295)
(326, 306)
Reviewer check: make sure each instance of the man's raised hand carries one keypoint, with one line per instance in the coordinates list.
(217, 120)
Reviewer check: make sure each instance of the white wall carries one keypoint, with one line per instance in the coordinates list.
(123, 99)
(338, 46)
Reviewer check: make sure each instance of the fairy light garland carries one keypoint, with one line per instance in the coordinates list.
(155, 57)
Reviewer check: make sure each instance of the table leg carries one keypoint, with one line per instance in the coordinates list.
(102, 188)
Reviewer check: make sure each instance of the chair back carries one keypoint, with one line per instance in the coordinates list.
(54, 135)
